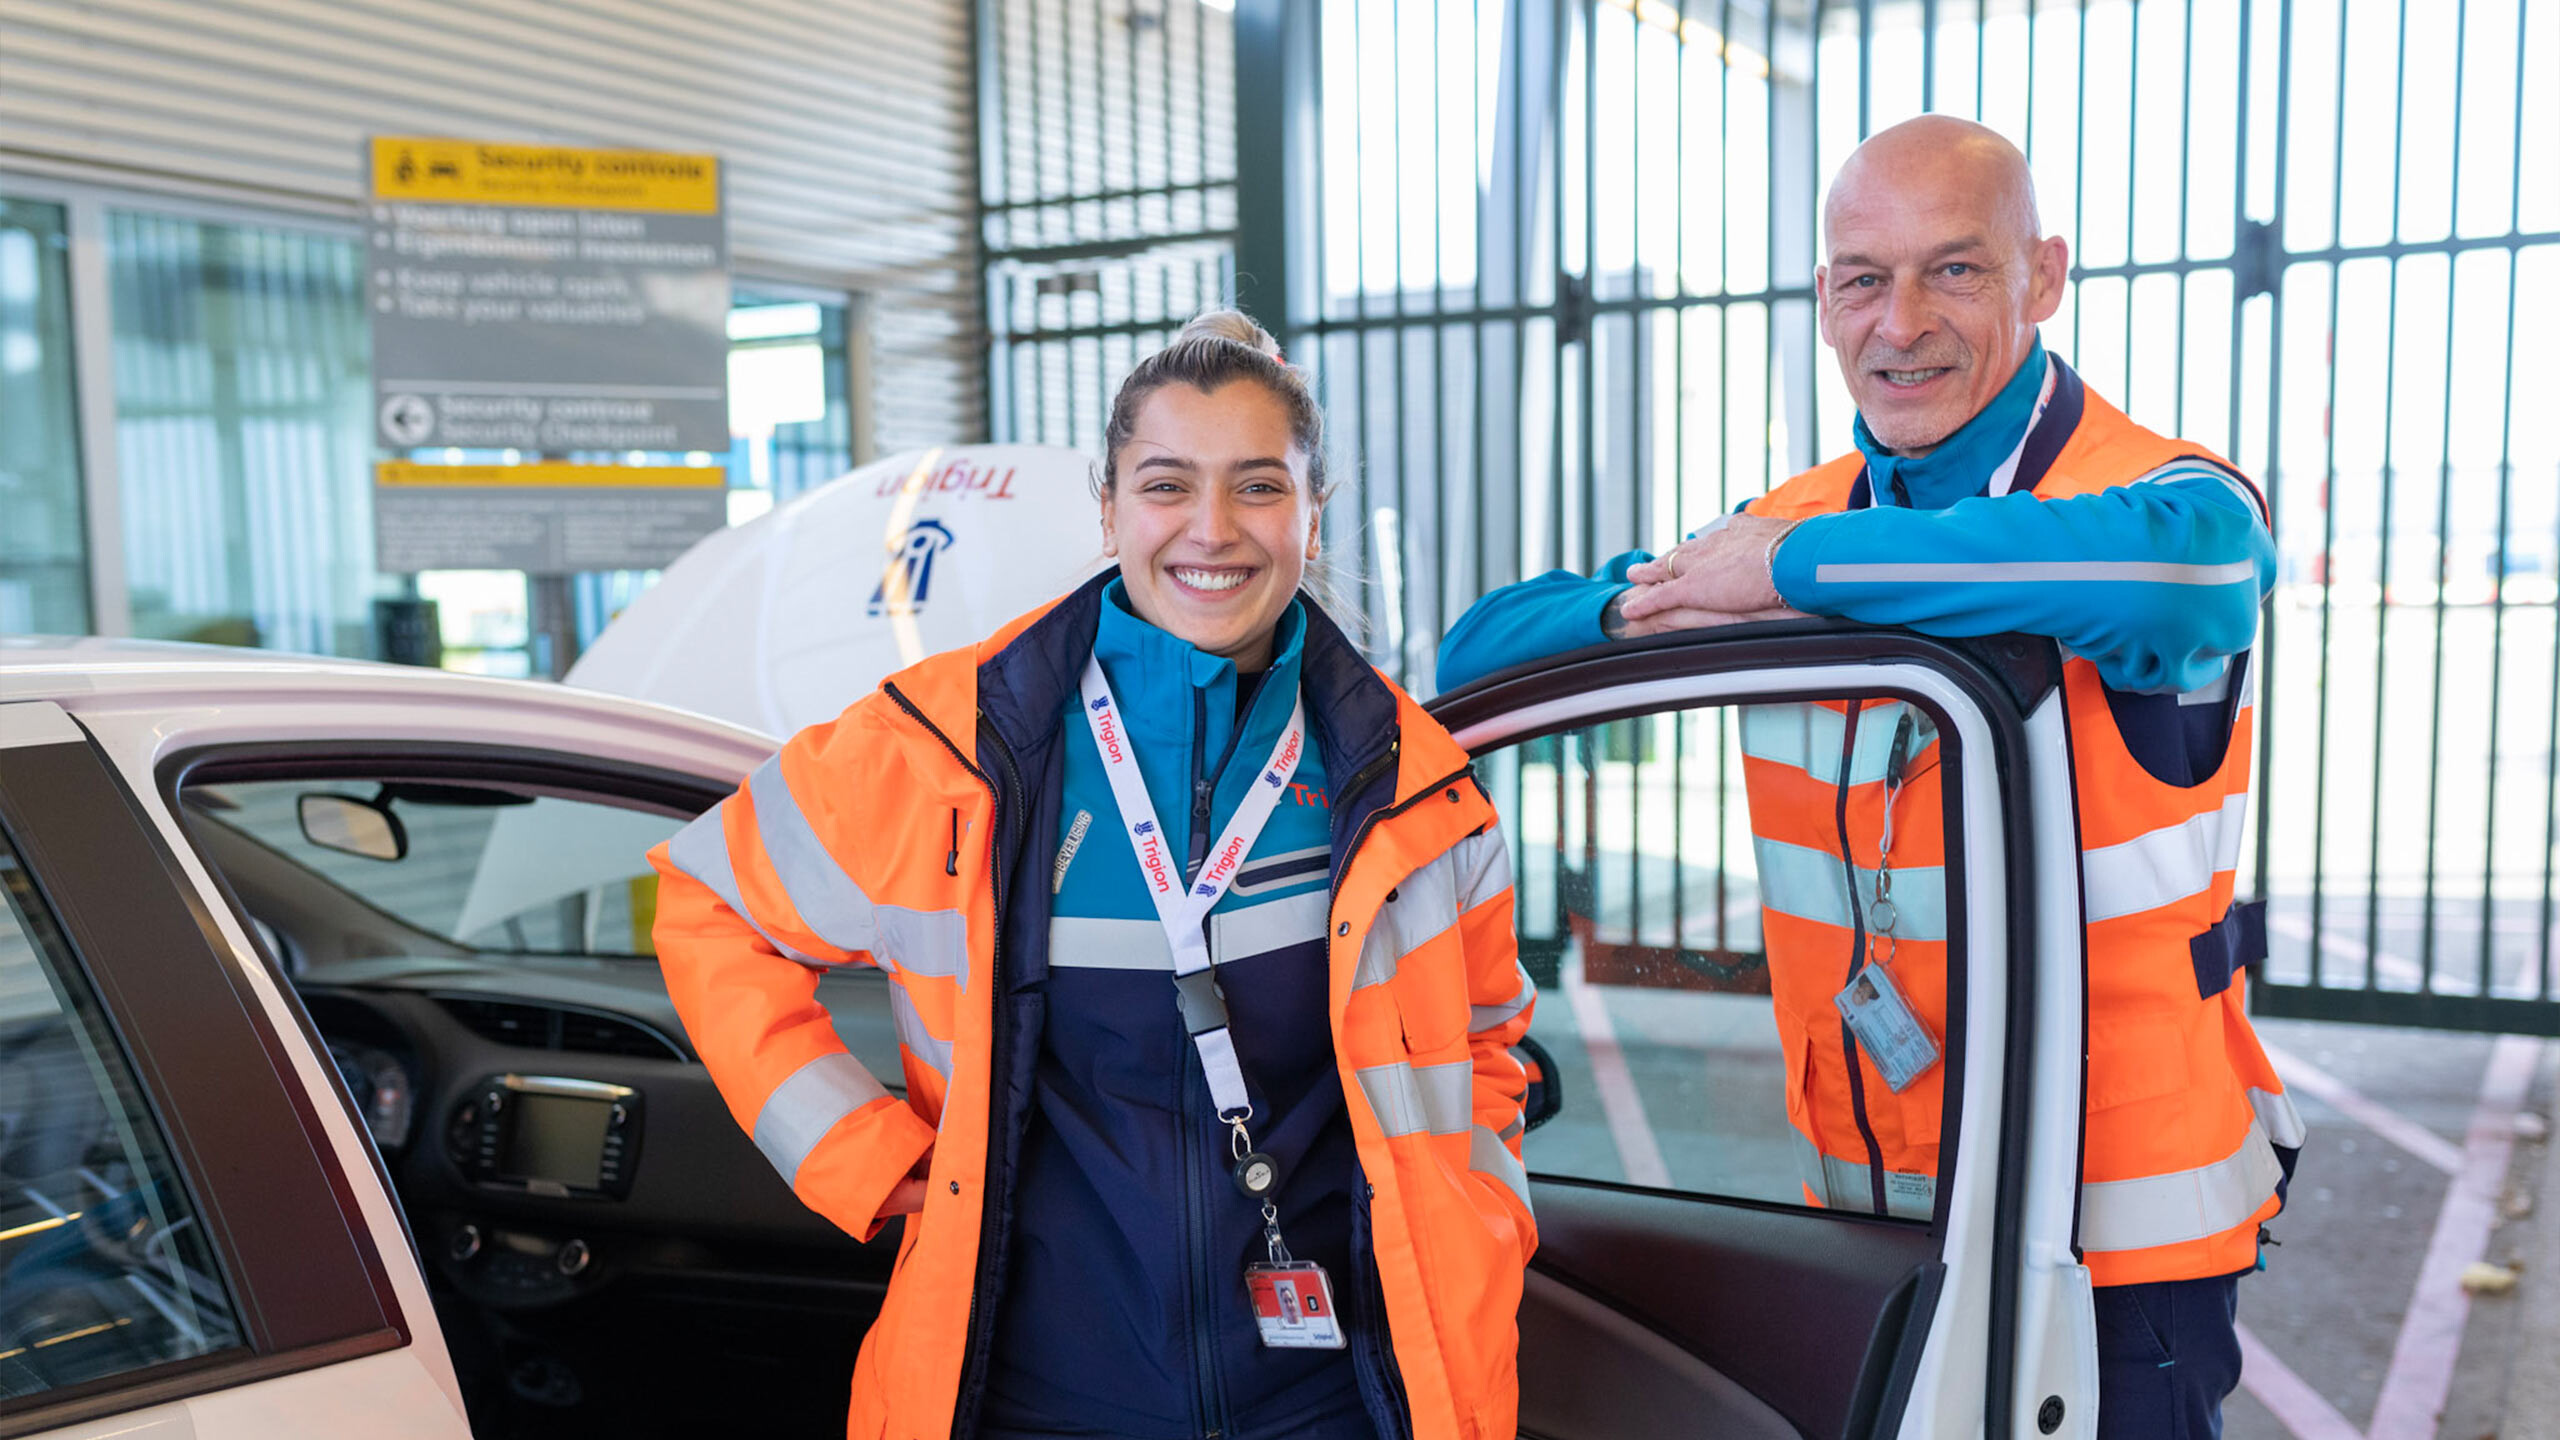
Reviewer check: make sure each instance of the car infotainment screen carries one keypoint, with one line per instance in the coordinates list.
(558, 1138)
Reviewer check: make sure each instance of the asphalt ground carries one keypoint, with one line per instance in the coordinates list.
(2350, 1305)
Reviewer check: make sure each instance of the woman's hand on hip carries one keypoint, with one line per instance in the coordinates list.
(907, 1196)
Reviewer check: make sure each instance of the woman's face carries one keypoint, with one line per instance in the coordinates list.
(1211, 518)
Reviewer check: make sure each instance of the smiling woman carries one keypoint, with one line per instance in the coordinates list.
(1214, 1127)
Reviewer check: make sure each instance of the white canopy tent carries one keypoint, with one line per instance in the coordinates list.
(782, 622)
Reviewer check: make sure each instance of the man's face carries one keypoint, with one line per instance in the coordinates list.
(1931, 294)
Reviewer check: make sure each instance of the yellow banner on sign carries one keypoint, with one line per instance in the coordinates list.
(413, 167)
(550, 474)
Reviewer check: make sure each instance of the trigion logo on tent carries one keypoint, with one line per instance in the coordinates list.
(908, 581)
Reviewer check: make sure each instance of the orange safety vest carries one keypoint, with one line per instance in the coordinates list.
(2186, 1117)
(868, 840)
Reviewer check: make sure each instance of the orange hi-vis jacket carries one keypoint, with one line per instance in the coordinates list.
(896, 836)
(2189, 1135)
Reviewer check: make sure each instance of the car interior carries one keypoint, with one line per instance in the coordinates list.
(610, 1254)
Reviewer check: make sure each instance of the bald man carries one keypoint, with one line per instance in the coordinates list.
(1991, 491)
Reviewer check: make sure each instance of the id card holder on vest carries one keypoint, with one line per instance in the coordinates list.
(1893, 1037)
(1293, 1306)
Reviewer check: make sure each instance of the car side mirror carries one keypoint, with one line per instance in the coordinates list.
(1545, 1099)
(352, 827)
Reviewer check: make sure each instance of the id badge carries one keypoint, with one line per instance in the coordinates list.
(1893, 1037)
(1293, 1306)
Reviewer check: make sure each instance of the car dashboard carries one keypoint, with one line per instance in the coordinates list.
(550, 1131)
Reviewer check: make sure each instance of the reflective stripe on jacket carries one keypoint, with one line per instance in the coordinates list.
(895, 836)
(2189, 1133)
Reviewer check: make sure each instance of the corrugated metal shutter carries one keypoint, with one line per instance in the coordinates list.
(845, 127)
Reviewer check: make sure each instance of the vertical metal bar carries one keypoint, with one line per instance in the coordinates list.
(1928, 55)
(1813, 202)
(995, 177)
(1137, 185)
(1724, 385)
(2329, 527)
(2274, 477)
(1070, 93)
(2186, 180)
(1164, 82)
(1555, 426)
(1478, 500)
(2031, 106)
(1438, 545)
(1522, 188)
(2498, 596)
(1200, 106)
(1679, 319)
(2080, 157)
(2390, 476)
(1866, 65)
(1043, 136)
(1403, 435)
(1587, 374)
(2444, 516)
(1360, 287)
(2132, 174)
(1769, 471)
(1638, 481)
(1981, 9)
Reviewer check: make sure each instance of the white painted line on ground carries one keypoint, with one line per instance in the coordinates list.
(2300, 1409)
(2421, 1374)
(2383, 1121)
(1619, 1102)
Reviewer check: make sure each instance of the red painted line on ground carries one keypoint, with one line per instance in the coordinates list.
(1619, 1102)
(2383, 1121)
(2421, 1374)
(2297, 1407)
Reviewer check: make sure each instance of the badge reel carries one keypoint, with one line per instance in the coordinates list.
(1292, 1299)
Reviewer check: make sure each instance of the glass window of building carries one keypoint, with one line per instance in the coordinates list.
(243, 433)
(44, 574)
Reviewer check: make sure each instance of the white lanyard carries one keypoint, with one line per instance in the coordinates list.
(1183, 909)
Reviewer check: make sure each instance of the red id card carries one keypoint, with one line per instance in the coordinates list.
(1293, 1306)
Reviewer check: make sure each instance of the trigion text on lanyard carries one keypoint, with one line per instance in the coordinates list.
(1292, 1300)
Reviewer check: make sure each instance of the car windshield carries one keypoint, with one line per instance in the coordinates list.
(492, 870)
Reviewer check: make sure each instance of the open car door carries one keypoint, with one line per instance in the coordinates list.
(1747, 1226)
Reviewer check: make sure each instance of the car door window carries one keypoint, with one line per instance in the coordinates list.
(492, 870)
(1699, 893)
(549, 897)
(104, 1268)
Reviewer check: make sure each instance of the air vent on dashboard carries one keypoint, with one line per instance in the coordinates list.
(530, 1026)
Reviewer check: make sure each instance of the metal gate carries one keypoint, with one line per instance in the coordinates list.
(1551, 261)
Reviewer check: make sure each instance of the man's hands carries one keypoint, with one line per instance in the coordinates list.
(1720, 577)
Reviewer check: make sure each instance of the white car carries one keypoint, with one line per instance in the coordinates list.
(339, 1095)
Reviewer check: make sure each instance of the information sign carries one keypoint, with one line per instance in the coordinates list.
(545, 519)
(544, 298)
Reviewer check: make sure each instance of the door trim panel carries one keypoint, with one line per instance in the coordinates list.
(1973, 1333)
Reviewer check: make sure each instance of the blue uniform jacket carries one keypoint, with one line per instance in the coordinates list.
(1121, 1306)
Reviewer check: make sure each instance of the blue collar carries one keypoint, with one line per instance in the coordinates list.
(1960, 467)
(1151, 672)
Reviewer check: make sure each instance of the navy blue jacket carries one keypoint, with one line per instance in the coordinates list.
(1111, 1294)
